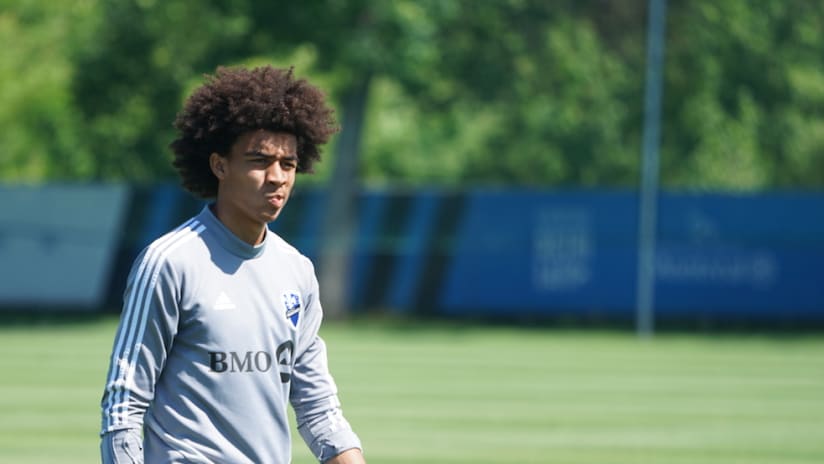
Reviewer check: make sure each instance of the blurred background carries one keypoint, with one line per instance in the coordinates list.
(490, 159)
(635, 164)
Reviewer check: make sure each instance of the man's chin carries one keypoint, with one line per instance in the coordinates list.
(270, 216)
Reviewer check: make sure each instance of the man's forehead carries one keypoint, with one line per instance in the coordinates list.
(267, 142)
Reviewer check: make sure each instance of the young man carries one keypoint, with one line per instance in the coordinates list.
(219, 329)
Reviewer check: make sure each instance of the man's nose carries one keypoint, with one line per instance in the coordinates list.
(276, 174)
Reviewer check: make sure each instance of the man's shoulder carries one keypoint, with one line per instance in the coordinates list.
(281, 246)
(177, 241)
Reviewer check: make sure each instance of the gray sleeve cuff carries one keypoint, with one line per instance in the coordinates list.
(124, 446)
(328, 434)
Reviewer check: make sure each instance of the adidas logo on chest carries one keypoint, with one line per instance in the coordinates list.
(223, 302)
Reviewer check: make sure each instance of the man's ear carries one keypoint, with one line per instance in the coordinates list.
(218, 165)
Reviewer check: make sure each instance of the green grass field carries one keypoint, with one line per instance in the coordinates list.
(438, 394)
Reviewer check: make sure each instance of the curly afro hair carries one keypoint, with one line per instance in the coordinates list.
(235, 101)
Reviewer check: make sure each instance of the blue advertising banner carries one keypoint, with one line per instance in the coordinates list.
(520, 253)
(717, 255)
(741, 255)
(543, 252)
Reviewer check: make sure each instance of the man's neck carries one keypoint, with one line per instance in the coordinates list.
(250, 232)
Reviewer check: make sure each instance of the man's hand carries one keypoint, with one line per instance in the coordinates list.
(350, 456)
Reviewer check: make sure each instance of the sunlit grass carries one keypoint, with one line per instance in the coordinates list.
(451, 394)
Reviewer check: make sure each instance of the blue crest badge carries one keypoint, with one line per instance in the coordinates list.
(292, 303)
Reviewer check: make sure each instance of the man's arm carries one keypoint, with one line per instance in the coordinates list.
(314, 393)
(317, 407)
(148, 324)
(123, 446)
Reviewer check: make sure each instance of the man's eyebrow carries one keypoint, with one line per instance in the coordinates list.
(257, 153)
(260, 154)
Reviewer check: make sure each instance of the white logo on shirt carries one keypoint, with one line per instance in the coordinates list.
(223, 303)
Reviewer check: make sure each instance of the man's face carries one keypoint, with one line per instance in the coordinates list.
(257, 177)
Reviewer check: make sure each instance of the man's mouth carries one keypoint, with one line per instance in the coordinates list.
(277, 200)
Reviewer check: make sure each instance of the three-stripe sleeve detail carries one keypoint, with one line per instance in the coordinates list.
(135, 316)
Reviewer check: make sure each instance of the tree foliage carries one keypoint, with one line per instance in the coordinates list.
(40, 136)
(744, 104)
(461, 92)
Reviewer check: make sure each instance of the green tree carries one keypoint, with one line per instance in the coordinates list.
(453, 92)
(41, 137)
(132, 75)
(744, 95)
(506, 92)
(537, 93)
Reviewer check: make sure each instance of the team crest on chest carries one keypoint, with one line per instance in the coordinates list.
(292, 303)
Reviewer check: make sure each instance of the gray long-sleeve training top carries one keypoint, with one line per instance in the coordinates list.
(215, 339)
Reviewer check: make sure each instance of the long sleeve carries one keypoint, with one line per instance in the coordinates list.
(314, 394)
(147, 328)
(121, 447)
